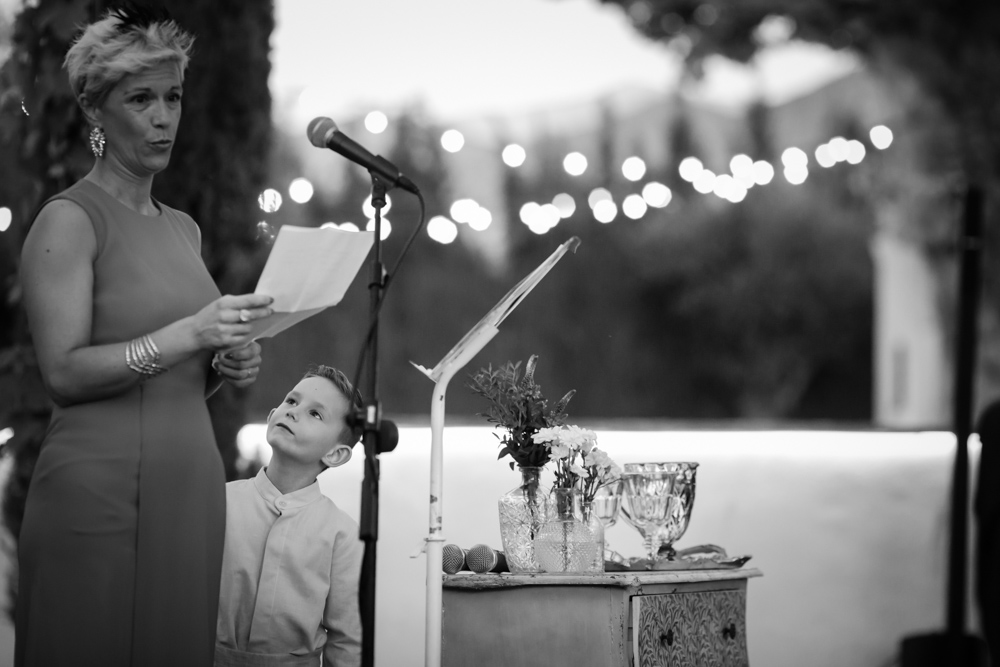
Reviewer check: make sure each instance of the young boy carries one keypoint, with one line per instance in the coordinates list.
(292, 559)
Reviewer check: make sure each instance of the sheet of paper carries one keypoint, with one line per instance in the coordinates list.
(308, 269)
(480, 334)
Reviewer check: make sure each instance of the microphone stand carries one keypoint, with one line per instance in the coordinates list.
(370, 438)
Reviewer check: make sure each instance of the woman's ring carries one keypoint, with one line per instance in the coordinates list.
(244, 315)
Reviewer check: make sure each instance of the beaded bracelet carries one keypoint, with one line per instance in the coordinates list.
(142, 356)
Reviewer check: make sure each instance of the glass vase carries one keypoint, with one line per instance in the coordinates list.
(565, 542)
(523, 510)
(592, 519)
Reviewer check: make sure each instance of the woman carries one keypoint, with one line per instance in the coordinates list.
(121, 546)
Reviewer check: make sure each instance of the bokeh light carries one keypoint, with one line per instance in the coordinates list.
(513, 155)
(794, 157)
(690, 168)
(481, 219)
(838, 149)
(855, 151)
(575, 163)
(349, 227)
(269, 200)
(565, 204)
(265, 232)
(704, 182)
(385, 227)
(5, 217)
(300, 190)
(369, 210)
(633, 168)
(796, 174)
(376, 122)
(452, 141)
(634, 206)
(763, 172)
(329, 225)
(441, 229)
(723, 185)
(742, 167)
(656, 194)
(881, 137)
(463, 210)
(598, 195)
(824, 156)
(605, 211)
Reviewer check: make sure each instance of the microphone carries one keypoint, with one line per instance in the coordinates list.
(388, 432)
(482, 558)
(453, 558)
(323, 133)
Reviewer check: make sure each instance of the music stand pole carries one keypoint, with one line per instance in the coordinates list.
(435, 539)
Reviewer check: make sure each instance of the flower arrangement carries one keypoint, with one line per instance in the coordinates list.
(517, 405)
(579, 463)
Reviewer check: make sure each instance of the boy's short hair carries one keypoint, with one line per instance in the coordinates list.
(347, 390)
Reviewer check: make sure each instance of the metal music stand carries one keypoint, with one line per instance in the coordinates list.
(463, 352)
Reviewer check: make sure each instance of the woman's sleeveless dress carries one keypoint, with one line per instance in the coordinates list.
(121, 546)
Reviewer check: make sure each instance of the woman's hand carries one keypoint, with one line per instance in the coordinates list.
(239, 367)
(224, 324)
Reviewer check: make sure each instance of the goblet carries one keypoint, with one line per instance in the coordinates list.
(606, 505)
(660, 499)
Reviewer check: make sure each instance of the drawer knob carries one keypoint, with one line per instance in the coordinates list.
(667, 638)
(729, 631)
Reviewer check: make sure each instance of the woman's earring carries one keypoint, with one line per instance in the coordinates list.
(97, 142)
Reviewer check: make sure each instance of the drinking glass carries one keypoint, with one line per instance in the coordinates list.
(606, 506)
(660, 498)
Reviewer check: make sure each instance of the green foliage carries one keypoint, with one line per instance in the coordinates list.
(517, 405)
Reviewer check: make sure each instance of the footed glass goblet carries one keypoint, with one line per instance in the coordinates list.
(660, 499)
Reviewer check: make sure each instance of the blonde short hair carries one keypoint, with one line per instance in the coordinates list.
(125, 41)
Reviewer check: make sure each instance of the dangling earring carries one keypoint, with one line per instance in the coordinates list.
(97, 142)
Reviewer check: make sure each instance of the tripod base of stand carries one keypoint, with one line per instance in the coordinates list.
(940, 649)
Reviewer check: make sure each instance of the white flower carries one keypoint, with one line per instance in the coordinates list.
(546, 435)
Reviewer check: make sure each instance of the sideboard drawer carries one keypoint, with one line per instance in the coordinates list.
(690, 629)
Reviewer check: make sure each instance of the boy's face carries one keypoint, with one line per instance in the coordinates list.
(309, 422)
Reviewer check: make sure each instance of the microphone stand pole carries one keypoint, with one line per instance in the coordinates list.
(370, 438)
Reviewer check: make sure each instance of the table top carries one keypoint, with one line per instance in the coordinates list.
(626, 579)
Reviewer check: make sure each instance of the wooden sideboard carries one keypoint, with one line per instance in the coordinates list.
(687, 618)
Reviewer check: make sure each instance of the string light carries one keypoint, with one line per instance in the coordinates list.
(575, 164)
(565, 204)
(452, 141)
(376, 122)
(269, 200)
(598, 195)
(634, 206)
(605, 211)
(513, 155)
(442, 230)
(300, 190)
(633, 168)
(881, 137)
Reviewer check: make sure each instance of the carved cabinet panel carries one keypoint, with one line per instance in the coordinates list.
(706, 629)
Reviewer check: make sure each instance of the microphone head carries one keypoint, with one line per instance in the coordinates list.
(319, 131)
(481, 558)
(452, 558)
